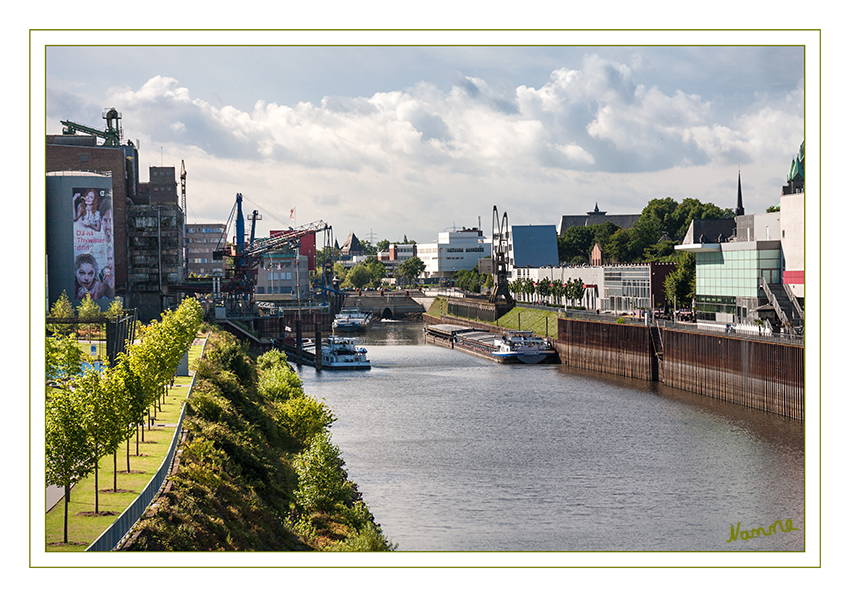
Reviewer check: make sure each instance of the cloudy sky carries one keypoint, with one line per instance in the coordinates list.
(387, 141)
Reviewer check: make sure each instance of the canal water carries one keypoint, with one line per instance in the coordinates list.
(453, 452)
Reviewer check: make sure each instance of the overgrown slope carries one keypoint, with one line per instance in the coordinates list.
(258, 471)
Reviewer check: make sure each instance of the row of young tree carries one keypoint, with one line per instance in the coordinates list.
(88, 315)
(571, 290)
(90, 413)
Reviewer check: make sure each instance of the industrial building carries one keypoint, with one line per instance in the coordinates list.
(201, 241)
(110, 235)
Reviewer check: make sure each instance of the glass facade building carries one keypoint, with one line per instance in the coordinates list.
(728, 280)
(736, 273)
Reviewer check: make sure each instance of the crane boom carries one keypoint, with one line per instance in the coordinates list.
(242, 276)
(111, 136)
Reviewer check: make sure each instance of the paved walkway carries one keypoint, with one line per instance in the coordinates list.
(54, 496)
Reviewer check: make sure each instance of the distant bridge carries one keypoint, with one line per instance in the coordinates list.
(398, 304)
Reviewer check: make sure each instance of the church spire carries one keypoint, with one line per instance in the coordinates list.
(739, 211)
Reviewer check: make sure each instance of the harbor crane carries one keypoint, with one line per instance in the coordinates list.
(501, 241)
(111, 136)
(245, 257)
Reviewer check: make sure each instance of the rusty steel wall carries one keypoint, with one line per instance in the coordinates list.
(757, 374)
(618, 349)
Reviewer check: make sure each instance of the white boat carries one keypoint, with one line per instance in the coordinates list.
(522, 346)
(343, 353)
(352, 319)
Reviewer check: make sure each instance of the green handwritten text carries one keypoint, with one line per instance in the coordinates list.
(737, 533)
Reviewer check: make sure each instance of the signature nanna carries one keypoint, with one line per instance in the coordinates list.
(737, 533)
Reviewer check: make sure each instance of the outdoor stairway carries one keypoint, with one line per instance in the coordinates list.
(657, 344)
(785, 304)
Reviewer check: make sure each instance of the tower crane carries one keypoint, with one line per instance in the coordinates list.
(111, 136)
(185, 218)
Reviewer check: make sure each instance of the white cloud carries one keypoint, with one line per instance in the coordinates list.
(469, 145)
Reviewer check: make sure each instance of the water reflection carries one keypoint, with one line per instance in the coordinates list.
(457, 453)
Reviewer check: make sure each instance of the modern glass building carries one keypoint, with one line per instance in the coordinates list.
(729, 276)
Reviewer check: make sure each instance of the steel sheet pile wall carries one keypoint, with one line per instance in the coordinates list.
(608, 348)
(762, 375)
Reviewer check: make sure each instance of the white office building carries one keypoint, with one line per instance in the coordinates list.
(453, 252)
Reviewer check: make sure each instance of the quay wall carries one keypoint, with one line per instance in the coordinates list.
(744, 370)
(618, 349)
(763, 375)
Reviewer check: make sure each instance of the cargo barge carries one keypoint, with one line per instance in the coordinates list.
(510, 347)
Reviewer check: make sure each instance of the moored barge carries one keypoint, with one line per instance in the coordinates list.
(510, 347)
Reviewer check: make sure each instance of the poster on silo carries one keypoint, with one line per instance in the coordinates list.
(94, 258)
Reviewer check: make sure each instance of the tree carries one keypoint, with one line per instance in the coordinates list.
(471, 280)
(557, 291)
(575, 290)
(358, 276)
(63, 360)
(62, 309)
(680, 284)
(134, 395)
(101, 417)
(377, 270)
(87, 311)
(322, 482)
(528, 289)
(617, 248)
(411, 269)
(116, 309)
(67, 455)
(576, 241)
(544, 288)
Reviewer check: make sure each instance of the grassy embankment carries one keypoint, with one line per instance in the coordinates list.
(539, 321)
(84, 525)
(258, 471)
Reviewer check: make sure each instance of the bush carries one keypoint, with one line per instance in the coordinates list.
(225, 352)
(303, 417)
(322, 482)
(280, 383)
(272, 359)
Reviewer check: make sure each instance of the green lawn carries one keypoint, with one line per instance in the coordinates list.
(83, 525)
(539, 321)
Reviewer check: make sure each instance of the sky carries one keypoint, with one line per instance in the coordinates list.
(413, 140)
